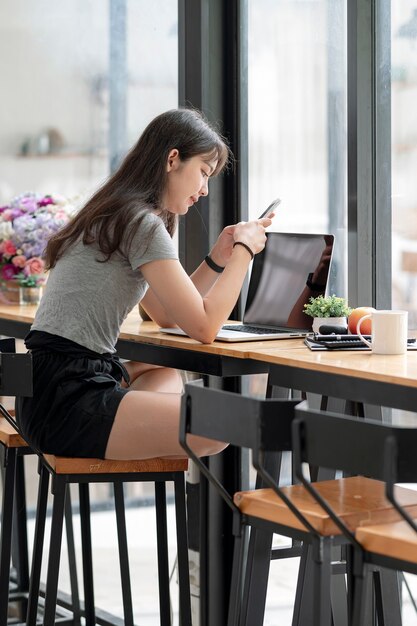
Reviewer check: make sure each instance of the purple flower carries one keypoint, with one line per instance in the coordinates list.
(9, 271)
(45, 201)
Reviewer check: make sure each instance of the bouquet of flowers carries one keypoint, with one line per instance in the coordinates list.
(26, 224)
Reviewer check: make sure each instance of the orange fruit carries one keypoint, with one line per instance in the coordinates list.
(355, 316)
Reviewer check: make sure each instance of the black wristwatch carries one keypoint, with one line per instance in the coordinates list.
(314, 286)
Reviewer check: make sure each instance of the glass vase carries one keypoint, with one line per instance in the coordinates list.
(30, 295)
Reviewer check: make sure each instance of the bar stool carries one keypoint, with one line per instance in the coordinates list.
(84, 471)
(386, 454)
(16, 379)
(13, 449)
(266, 426)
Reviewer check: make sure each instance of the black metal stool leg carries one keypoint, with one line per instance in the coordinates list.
(72, 562)
(38, 542)
(258, 562)
(20, 557)
(163, 564)
(240, 541)
(123, 553)
(182, 544)
(6, 532)
(89, 613)
(58, 489)
(322, 612)
(387, 597)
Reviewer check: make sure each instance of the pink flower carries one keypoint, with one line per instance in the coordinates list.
(9, 248)
(9, 271)
(7, 215)
(45, 201)
(19, 260)
(35, 265)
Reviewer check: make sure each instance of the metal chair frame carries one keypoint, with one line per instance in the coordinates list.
(264, 426)
(16, 380)
(344, 443)
(91, 614)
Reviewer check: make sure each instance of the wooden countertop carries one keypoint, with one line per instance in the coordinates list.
(134, 329)
(396, 369)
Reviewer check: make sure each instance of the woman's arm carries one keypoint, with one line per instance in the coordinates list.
(201, 316)
(203, 277)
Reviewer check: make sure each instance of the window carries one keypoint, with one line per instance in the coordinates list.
(80, 80)
(297, 118)
(404, 156)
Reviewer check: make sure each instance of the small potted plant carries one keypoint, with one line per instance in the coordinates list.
(322, 308)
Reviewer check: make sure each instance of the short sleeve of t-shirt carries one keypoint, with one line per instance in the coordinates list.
(151, 242)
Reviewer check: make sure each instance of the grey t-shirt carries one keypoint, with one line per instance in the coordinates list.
(86, 301)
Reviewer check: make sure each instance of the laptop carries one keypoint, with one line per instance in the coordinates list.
(277, 288)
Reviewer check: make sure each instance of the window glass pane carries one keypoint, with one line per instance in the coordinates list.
(80, 80)
(404, 156)
(297, 118)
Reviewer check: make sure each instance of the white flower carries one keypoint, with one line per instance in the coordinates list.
(6, 230)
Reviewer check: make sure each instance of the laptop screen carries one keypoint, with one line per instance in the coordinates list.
(277, 288)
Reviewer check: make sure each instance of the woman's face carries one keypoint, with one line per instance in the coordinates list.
(186, 181)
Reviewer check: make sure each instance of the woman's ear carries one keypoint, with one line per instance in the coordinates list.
(173, 160)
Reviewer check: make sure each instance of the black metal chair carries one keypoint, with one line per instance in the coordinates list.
(296, 511)
(264, 426)
(386, 454)
(16, 380)
(15, 377)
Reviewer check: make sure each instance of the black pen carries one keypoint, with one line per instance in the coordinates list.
(334, 337)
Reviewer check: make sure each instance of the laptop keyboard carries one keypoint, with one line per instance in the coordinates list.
(245, 328)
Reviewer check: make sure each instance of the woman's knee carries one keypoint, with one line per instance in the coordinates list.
(205, 447)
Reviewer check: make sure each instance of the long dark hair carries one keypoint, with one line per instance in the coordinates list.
(139, 183)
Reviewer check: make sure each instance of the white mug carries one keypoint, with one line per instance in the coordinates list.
(389, 331)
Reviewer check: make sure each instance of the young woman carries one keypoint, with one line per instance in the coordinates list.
(86, 402)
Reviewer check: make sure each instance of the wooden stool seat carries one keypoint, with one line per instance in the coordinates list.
(397, 540)
(356, 500)
(70, 465)
(9, 437)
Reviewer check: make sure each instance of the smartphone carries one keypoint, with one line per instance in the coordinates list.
(271, 208)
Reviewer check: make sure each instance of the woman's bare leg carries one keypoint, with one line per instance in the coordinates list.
(147, 420)
(145, 377)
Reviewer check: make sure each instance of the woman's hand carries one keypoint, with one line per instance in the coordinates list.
(223, 248)
(252, 233)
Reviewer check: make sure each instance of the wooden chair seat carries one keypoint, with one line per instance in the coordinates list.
(69, 465)
(9, 437)
(397, 540)
(356, 500)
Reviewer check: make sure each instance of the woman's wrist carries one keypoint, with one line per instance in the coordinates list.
(245, 246)
(216, 255)
(213, 265)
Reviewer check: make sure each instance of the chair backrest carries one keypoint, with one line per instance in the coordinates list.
(355, 445)
(15, 370)
(236, 419)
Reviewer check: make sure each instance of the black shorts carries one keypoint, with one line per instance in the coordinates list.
(76, 394)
